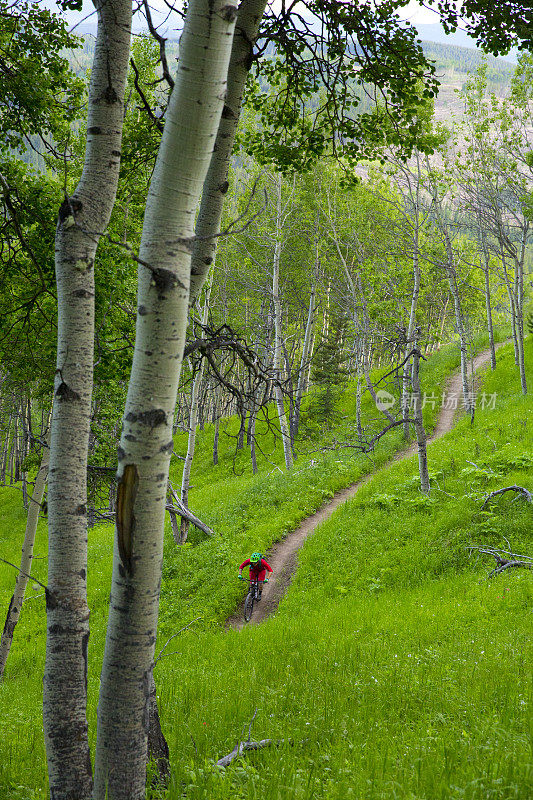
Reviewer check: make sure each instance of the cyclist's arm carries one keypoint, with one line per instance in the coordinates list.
(243, 565)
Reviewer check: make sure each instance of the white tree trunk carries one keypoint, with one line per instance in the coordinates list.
(15, 606)
(519, 291)
(451, 274)
(216, 182)
(82, 219)
(421, 437)
(193, 420)
(191, 126)
(306, 356)
(414, 305)
(282, 416)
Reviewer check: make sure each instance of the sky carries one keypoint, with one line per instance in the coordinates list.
(413, 12)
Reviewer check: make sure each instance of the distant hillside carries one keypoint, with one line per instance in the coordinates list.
(454, 65)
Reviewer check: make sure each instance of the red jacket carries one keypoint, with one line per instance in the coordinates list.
(257, 570)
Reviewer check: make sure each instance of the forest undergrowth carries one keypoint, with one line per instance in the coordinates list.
(393, 668)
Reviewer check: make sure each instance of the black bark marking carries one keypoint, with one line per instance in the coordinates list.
(126, 494)
(68, 207)
(110, 95)
(51, 602)
(7, 622)
(142, 311)
(94, 130)
(116, 153)
(130, 437)
(227, 112)
(120, 453)
(223, 187)
(82, 293)
(82, 573)
(167, 448)
(81, 510)
(56, 629)
(84, 648)
(152, 418)
(65, 394)
(165, 280)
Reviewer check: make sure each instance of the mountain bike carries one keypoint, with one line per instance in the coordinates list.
(251, 598)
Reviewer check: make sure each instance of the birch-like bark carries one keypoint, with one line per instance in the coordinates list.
(451, 274)
(216, 183)
(488, 305)
(15, 606)
(191, 126)
(82, 219)
(415, 200)
(193, 419)
(519, 290)
(278, 343)
(306, 353)
(421, 437)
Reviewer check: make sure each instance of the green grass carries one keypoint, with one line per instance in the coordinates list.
(392, 666)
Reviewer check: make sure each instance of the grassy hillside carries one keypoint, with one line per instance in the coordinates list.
(395, 669)
(393, 666)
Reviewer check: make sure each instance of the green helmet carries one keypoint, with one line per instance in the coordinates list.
(255, 558)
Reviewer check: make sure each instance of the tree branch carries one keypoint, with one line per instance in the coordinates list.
(520, 489)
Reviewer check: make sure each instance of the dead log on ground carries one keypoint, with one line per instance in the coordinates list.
(505, 559)
(520, 489)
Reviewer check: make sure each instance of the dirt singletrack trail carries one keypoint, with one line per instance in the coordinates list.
(282, 556)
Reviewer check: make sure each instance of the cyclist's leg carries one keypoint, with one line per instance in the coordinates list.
(259, 589)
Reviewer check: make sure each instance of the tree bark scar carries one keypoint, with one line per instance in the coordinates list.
(65, 393)
(229, 13)
(6, 626)
(68, 208)
(152, 418)
(126, 494)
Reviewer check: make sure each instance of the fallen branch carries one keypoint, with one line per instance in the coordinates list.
(178, 508)
(242, 747)
(505, 559)
(520, 489)
(183, 511)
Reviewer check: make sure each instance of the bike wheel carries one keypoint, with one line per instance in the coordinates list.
(248, 606)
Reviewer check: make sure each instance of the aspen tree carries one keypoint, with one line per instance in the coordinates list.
(280, 217)
(82, 219)
(193, 421)
(191, 125)
(15, 606)
(216, 182)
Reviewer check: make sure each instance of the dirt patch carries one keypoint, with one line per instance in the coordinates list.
(283, 556)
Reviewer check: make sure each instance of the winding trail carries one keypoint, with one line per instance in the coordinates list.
(282, 557)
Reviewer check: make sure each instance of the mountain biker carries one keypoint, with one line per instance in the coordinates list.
(258, 569)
